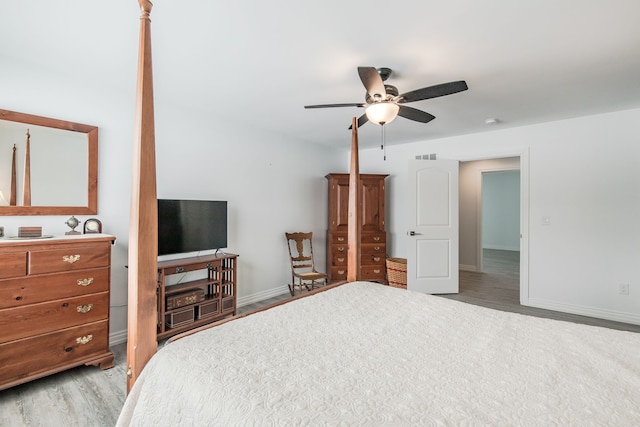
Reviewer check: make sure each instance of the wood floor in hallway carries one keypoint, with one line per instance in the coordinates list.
(498, 287)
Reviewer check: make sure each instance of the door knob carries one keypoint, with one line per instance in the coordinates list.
(412, 233)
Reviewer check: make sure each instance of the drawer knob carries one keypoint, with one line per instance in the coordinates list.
(70, 258)
(18, 298)
(376, 238)
(340, 259)
(341, 249)
(377, 248)
(84, 308)
(376, 271)
(376, 258)
(340, 239)
(84, 340)
(85, 282)
(340, 271)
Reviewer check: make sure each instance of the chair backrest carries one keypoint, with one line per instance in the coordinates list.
(300, 250)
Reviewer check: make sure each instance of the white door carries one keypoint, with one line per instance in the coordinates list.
(432, 260)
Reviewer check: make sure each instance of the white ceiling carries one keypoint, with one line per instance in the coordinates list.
(259, 62)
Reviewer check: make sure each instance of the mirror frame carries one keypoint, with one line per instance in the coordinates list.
(92, 190)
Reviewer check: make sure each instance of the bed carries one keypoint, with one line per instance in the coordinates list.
(368, 354)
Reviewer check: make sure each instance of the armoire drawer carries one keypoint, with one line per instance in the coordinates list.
(373, 272)
(342, 238)
(374, 249)
(374, 238)
(78, 257)
(340, 249)
(372, 259)
(339, 259)
(35, 289)
(32, 356)
(37, 319)
(339, 273)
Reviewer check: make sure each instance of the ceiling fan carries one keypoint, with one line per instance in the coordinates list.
(383, 103)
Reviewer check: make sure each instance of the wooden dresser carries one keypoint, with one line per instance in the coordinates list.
(54, 305)
(373, 235)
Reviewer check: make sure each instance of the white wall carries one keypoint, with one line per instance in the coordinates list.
(272, 184)
(583, 174)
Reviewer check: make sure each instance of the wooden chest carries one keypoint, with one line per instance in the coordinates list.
(54, 306)
(185, 298)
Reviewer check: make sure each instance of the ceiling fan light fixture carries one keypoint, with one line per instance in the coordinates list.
(382, 112)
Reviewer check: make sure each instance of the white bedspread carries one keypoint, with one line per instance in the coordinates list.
(367, 354)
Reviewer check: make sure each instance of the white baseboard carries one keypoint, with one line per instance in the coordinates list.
(269, 293)
(120, 337)
(503, 248)
(598, 313)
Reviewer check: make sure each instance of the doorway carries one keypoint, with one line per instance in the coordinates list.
(491, 241)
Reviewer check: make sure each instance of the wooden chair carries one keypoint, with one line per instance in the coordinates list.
(303, 271)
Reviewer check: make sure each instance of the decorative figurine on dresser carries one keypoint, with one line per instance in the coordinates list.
(373, 235)
(54, 305)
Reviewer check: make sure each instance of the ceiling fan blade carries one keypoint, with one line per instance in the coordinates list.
(433, 91)
(372, 82)
(361, 120)
(335, 105)
(415, 114)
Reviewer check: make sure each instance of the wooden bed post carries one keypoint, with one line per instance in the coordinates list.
(355, 218)
(14, 187)
(143, 221)
(26, 180)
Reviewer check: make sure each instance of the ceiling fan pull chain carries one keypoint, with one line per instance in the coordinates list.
(383, 144)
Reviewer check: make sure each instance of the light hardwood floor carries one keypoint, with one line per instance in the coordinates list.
(87, 396)
(84, 396)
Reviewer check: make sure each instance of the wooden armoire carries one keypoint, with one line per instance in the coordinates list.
(373, 234)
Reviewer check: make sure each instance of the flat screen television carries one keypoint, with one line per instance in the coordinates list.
(191, 225)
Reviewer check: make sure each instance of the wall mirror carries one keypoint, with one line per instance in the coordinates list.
(47, 166)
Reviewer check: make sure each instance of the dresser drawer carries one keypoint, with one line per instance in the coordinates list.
(13, 264)
(34, 289)
(70, 258)
(55, 351)
(46, 317)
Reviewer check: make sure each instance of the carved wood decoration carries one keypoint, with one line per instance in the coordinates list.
(143, 223)
(355, 220)
(12, 197)
(26, 182)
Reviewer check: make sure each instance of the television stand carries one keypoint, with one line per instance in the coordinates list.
(208, 297)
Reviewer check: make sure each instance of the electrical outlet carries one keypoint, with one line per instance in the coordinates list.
(623, 289)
